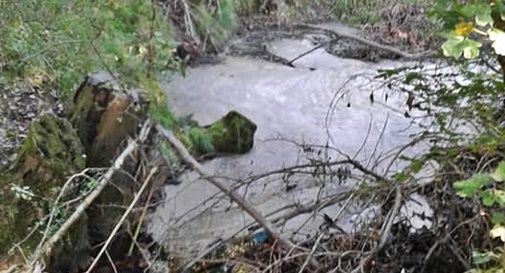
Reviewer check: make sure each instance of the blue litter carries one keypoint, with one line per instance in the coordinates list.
(260, 236)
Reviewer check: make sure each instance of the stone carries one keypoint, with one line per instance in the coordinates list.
(232, 134)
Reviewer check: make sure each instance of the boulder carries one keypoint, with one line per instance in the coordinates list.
(232, 134)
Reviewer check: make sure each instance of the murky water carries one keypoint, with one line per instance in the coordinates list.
(288, 105)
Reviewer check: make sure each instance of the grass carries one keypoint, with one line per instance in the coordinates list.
(53, 44)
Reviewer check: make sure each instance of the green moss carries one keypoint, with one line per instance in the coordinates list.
(8, 211)
(163, 116)
(51, 151)
(200, 141)
(234, 133)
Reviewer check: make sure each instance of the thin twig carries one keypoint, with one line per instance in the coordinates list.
(111, 262)
(290, 62)
(123, 218)
(55, 206)
(141, 220)
(386, 230)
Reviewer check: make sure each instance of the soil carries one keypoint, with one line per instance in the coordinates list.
(19, 105)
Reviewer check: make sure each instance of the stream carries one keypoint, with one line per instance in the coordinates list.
(292, 107)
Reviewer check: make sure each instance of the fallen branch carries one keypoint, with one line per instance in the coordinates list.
(282, 218)
(361, 40)
(290, 62)
(255, 214)
(123, 218)
(47, 247)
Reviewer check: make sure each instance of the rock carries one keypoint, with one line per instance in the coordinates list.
(233, 134)
(51, 151)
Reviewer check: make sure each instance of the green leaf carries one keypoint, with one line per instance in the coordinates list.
(488, 199)
(499, 196)
(481, 12)
(470, 52)
(484, 19)
(481, 257)
(456, 45)
(452, 48)
(499, 8)
(499, 173)
(498, 38)
(497, 218)
(471, 186)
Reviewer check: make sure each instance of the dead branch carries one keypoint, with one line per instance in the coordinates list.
(316, 244)
(55, 205)
(141, 220)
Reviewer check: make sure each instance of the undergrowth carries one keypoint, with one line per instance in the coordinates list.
(53, 44)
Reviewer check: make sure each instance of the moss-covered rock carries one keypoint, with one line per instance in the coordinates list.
(51, 151)
(233, 133)
(100, 120)
(49, 154)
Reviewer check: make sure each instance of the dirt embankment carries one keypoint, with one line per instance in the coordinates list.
(404, 27)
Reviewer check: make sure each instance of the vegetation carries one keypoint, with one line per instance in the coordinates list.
(52, 44)
(474, 30)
